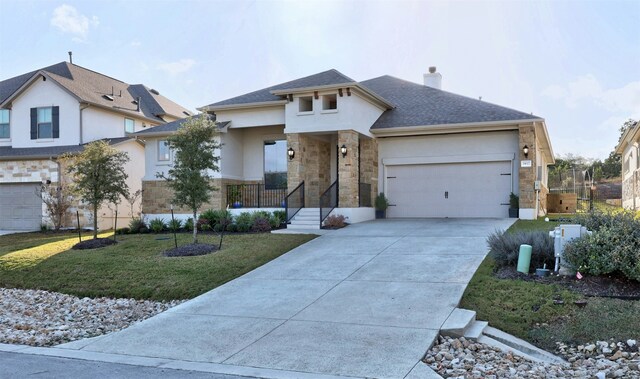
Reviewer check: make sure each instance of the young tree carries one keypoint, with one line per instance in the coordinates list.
(57, 199)
(194, 146)
(98, 175)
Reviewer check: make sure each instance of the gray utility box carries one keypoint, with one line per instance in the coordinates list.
(561, 235)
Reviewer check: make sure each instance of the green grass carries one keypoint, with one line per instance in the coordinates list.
(526, 309)
(135, 266)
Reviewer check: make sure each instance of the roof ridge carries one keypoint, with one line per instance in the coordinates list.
(93, 71)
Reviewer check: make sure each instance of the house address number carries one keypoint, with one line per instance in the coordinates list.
(526, 163)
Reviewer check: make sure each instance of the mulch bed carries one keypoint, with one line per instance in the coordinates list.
(94, 243)
(601, 286)
(191, 250)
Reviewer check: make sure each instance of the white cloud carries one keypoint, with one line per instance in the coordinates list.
(68, 20)
(135, 43)
(587, 89)
(178, 67)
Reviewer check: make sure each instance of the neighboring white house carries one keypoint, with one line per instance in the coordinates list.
(629, 150)
(56, 110)
(336, 143)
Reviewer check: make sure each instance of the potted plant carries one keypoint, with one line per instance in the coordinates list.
(382, 203)
(235, 195)
(514, 205)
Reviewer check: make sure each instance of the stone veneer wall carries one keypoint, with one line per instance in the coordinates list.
(156, 197)
(311, 163)
(348, 170)
(369, 164)
(527, 136)
(631, 191)
(31, 171)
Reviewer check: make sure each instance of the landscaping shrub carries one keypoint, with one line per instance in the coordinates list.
(157, 225)
(335, 222)
(203, 224)
(188, 225)
(282, 215)
(275, 221)
(175, 225)
(244, 218)
(244, 227)
(260, 224)
(144, 230)
(613, 247)
(506, 246)
(214, 217)
(232, 228)
(218, 228)
(136, 224)
(121, 231)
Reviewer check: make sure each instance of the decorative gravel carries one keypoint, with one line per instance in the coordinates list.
(42, 318)
(460, 358)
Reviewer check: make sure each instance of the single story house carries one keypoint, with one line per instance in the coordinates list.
(328, 143)
(56, 110)
(629, 149)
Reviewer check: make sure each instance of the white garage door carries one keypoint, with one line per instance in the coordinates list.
(449, 190)
(20, 207)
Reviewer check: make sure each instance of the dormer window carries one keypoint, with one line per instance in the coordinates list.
(4, 124)
(305, 104)
(329, 102)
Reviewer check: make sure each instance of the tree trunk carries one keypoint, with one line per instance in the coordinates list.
(195, 227)
(95, 222)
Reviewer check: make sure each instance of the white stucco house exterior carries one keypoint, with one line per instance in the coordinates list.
(328, 143)
(56, 110)
(629, 149)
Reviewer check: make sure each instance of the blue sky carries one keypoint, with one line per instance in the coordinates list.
(577, 64)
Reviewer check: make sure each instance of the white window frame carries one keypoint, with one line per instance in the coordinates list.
(133, 123)
(305, 98)
(38, 123)
(325, 102)
(8, 124)
(165, 157)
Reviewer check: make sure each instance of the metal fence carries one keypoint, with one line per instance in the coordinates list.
(328, 201)
(255, 196)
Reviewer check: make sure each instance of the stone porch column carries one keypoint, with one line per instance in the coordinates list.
(369, 164)
(527, 175)
(348, 174)
(295, 173)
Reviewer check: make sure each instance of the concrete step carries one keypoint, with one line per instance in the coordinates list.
(506, 348)
(522, 346)
(305, 222)
(304, 226)
(307, 218)
(458, 322)
(475, 330)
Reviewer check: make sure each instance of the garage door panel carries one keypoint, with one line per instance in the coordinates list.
(449, 190)
(20, 207)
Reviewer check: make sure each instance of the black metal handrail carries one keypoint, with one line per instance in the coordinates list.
(294, 201)
(328, 201)
(364, 192)
(255, 196)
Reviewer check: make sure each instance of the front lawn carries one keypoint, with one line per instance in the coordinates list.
(527, 309)
(135, 266)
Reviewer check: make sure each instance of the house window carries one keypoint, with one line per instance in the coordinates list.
(164, 152)
(329, 102)
(275, 164)
(4, 124)
(305, 104)
(129, 125)
(45, 123)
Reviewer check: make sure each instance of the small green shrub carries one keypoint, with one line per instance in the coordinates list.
(505, 248)
(514, 201)
(613, 247)
(244, 218)
(157, 225)
(214, 217)
(275, 221)
(44, 227)
(244, 227)
(144, 230)
(121, 231)
(261, 224)
(232, 228)
(175, 225)
(335, 222)
(282, 215)
(188, 225)
(136, 224)
(218, 228)
(203, 224)
(381, 202)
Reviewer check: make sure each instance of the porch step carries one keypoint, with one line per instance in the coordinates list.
(306, 218)
(458, 322)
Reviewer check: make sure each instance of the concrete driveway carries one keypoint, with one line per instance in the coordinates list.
(364, 301)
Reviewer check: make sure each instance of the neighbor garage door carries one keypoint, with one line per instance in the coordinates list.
(20, 207)
(449, 190)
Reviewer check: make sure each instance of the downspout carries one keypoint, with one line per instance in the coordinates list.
(81, 124)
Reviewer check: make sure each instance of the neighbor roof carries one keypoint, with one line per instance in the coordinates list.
(326, 78)
(172, 127)
(98, 89)
(419, 105)
(8, 152)
(630, 135)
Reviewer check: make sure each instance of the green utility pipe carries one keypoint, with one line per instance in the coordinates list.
(524, 259)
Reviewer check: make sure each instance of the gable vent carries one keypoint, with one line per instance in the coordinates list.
(108, 97)
(155, 92)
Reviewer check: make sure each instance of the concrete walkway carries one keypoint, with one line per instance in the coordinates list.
(364, 301)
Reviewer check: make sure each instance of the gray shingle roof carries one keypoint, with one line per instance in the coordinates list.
(93, 87)
(418, 105)
(8, 153)
(173, 126)
(329, 77)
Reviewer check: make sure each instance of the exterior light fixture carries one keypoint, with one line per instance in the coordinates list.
(343, 150)
(525, 150)
(291, 153)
